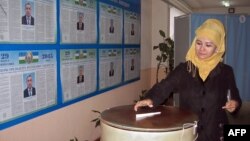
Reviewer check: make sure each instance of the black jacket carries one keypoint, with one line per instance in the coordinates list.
(78, 26)
(206, 99)
(24, 20)
(26, 92)
(80, 79)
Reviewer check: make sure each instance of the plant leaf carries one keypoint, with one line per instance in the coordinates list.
(170, 42)
(158, 58)
(162, 46)
(155, 47)
(97, 123)
(164, 57)
(94, 120)
(162, 33)
(144, 91)
(95, 111)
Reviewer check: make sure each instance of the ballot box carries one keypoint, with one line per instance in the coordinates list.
(162, 123)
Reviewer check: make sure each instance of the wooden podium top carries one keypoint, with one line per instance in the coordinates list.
(170, 119)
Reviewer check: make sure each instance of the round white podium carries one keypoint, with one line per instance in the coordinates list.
(172, 124)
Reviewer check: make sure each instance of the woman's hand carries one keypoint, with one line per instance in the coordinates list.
(142, 103)
(231, 106)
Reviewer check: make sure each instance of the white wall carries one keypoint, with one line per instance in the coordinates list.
(146, 41)
(160, 14)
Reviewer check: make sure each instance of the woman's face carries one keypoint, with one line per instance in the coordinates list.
(204, 48)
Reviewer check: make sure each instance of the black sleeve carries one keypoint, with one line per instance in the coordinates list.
(233, 88)
(162, 90)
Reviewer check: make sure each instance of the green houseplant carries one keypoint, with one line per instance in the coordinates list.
(166, 57)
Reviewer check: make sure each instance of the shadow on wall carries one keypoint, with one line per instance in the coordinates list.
(243, 117)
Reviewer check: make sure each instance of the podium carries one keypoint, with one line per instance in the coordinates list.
(172, 124)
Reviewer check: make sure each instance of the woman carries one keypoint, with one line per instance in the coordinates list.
(203, 82)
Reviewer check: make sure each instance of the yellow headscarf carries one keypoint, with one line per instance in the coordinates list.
(214, 30)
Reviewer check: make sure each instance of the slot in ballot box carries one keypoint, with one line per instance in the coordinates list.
(172, 124)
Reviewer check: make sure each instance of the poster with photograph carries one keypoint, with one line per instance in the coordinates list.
(110, 24)
(54, 53)
(78, 72)
(78, 21)
(110, 67)
(132, 27)
(28, 21)
(28, 82)
(131, 63)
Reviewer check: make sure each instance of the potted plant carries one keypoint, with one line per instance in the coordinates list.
(165, 59)
(166, 56)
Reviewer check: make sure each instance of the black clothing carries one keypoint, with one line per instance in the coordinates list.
(132, 68)
(111, 29)
(26, 92)
(80, 26)
(80, 79)
(111, 72)
(132, 32)
(24, 20)
(206, 99)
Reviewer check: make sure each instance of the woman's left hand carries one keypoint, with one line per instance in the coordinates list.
(231, 106)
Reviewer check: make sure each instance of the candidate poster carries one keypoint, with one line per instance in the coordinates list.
(28, 21)
(28, 82)
(78, 72)
(110, 67)
(110, 24)
(131, 63)
(78, 21)
(132, 27)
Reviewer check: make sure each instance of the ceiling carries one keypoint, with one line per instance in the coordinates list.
(198, 4)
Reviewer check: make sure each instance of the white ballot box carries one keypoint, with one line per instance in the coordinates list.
(163, 123)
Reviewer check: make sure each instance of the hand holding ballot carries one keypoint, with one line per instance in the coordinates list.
(143, 103)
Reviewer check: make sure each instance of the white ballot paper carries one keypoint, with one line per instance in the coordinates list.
(146, 112)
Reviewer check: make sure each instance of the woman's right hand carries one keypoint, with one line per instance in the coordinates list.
(142, 103)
